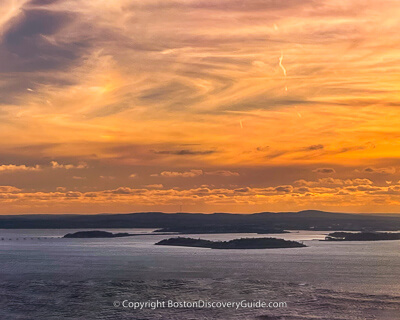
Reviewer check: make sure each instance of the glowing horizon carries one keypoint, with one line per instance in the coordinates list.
(234, 106)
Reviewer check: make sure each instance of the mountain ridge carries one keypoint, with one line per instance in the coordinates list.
(301, 220)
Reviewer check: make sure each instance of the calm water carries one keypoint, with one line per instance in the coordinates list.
(45, 277)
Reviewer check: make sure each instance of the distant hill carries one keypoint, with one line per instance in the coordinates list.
(303, 220)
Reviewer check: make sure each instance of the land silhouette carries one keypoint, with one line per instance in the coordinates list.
(243, 243)
(97, 234)
(264, 222)
(362, 236)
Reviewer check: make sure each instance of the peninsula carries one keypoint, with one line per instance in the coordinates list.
(242, 243)
(362, 236)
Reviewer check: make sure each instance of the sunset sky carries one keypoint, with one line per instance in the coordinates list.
(215, 106)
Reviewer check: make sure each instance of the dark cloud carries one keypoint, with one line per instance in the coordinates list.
(262, 148)
(325, 170)
(73, 194)
(285, 189)
(277, 154)
(30, 44)
(25, 47)
(303, 189)
(185, 152)
(314, 147)
(366, 146)
(127, 190)
(31, 23)
(243, 190)
(122, 190)
(389, 170)
(262, 103)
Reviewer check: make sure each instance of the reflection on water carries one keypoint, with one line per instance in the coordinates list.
(57, 278)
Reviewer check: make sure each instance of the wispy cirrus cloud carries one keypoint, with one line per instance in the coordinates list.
(113, 88)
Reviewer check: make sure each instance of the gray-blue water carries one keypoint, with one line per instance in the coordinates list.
(45, 277)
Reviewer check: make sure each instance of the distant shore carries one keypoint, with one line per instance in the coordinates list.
(221, 229)
(261, 223)
(362, 236)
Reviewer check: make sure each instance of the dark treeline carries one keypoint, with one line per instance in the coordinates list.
(243, 243)
(362, 236)
(259, 222)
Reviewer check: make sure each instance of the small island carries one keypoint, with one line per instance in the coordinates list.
(96, 234)
(362, 236)
(242, 243)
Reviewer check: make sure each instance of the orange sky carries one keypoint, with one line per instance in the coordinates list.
(236, 106)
